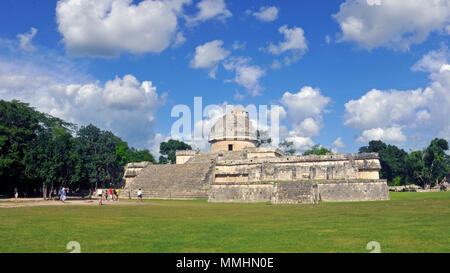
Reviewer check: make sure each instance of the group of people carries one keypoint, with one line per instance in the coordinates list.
(112, 194)
(62, 196)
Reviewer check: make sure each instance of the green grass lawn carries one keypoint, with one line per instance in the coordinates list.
(410, 222)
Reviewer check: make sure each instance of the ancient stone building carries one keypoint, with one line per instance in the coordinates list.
(233, 132)
(235, 170)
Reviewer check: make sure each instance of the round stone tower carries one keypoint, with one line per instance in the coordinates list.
(232, 132)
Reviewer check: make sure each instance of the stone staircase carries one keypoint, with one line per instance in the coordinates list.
(184, 181)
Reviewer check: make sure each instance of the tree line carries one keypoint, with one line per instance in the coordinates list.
(427, 168)
(40, 153)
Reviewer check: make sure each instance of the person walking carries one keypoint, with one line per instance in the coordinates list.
(111, 194)
(117, 195)
(139, 194)
(100, 194)
(16, 194)
(62, 193)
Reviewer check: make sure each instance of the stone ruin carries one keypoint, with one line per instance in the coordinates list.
(235, 170)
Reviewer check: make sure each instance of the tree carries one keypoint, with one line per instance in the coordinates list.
(23, 130)
(49, 159)
(375, 146)
(39, 151)
(317, 150)
(126, 154)
(122, 152)
(18, 126)
(168, 149)
(416, 169)
(141, 155)
(430, 167)
(96, 161)
(287, 147)
(263, 138)
(392, 160)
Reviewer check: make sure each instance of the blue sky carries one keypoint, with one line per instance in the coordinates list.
(344, 72)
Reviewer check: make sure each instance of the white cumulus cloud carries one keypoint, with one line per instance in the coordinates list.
(338, 143)
(246, 75)
(26, 40)
(433, 61)
(304, 111)
(396, 24)
(308, 102)
(209, 55)
(123, 105)
(210, 9)
(294, 40)
(396, 116)
(378, 108)
(267, 13)
(391, 135)
(300, 144)
(105, 28)
(294, 44)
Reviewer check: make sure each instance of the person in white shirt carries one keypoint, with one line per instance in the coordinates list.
(100, 194)
(139, 194)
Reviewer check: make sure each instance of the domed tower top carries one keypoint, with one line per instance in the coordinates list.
(233, 132)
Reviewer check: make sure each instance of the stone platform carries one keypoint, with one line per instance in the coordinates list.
(299, 192)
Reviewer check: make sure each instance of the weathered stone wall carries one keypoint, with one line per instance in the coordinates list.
(353, 190)
(175, 181)
(237, 145)
(263, 152)
(232, 178)
(184, 156)
(294, 168)
(133, 169)
(240, 192)
(368, 174)
(305, 192)
(293, 192)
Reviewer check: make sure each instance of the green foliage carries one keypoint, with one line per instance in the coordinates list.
(126, 155)
(38, 150)
(96, 161)
(375, 146)
(392, 160)
(397, 181)
(141, 155)
(18, 126)
(168, 149)
(317, 150)
(49, 159)
(287, 147)
(22, 131)
(426, 168)
(429, 167)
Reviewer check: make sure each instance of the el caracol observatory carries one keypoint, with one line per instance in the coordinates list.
(235, 170)
(233, 132)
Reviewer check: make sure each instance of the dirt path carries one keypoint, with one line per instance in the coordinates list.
(32, 202)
